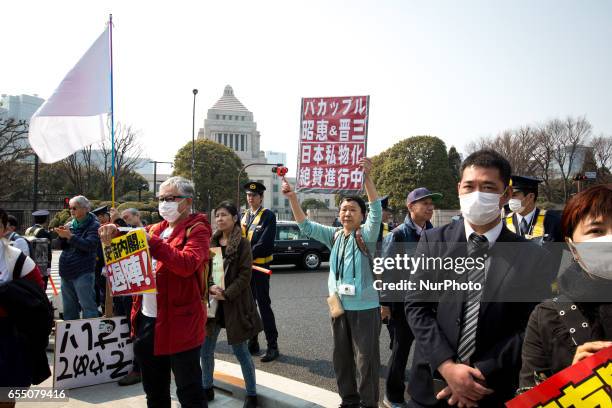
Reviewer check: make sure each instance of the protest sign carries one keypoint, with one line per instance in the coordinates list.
(218, 275)
(128, 264)
(333, 138)
(91, 351)
(585, 384)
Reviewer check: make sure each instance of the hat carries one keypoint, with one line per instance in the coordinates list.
(101, 210)
(254, 187)
(421, 193)
(384, 202)
(524, 183)
(40, 213)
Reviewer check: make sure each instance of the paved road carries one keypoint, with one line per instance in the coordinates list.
(298, 301)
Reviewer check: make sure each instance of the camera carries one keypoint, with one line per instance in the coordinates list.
(280, 170)
(347, 290)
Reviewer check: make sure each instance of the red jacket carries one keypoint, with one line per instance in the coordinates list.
(181, 317)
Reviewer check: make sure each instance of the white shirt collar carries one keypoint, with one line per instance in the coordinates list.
(491, 234)
(254, 212)
(527, 217)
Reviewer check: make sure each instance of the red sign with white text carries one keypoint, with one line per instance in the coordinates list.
(587, 383)
(333, 137)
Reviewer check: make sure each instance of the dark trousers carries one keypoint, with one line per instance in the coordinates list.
(260, 287)
(156, 370)
(122, 306)
(401, 340)
(356, 356)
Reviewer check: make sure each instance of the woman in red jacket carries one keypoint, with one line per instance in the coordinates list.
(169, 325)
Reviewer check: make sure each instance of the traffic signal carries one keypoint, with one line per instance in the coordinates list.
(580, 177)
(66, 202)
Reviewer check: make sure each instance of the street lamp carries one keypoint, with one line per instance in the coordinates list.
(243, 169)
(140, 188)
(195, 92)
(155, 174)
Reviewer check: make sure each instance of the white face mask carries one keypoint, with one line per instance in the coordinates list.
(169, 210)
(480, 208)
(594, 256)
(516, 205)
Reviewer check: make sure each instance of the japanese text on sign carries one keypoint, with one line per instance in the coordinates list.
(91, 351)
(332, 140)
(128, 264)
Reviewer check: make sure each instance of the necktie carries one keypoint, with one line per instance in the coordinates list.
(524, 227)
(477, 247)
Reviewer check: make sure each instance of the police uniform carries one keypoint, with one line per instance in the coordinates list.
(259, 228)
(38, 231)
(540, 225)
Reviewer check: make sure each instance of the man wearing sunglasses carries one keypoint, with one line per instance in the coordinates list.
(169, 325)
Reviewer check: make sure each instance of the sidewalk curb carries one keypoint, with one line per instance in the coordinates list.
(266, 397)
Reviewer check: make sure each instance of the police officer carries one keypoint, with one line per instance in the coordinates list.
(40, 230)
(526, 219)
(386, 226)
(259, 227)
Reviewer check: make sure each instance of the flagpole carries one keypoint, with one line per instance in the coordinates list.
(108, 301)
(112, 113)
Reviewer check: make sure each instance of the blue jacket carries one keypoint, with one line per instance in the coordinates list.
(352, 265)
(79, 253)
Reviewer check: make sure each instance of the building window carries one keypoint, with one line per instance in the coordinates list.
(286, 203)
(225, 139)
(275, 201)
(242, 118)
(232, 140)
(275, 188)
(217, 117)
(223, 117)
(242, 147)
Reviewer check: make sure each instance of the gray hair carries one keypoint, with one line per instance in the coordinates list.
(82, 202)
(184, 186)
(132, 211)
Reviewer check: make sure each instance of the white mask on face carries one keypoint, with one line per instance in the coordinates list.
(169, 210)
(594, 256)
(480, 208)
(516, 205)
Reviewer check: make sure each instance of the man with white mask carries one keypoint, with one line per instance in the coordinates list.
(468, 341)
(169, 325)
(526, 219)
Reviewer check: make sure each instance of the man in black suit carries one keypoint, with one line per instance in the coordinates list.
(468, 342)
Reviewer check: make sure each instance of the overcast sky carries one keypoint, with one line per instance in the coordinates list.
(456, 70)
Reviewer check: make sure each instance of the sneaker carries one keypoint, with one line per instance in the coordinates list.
(210, 394)
(132, 378)
(389, 404)
(250, 401)
(271, 355)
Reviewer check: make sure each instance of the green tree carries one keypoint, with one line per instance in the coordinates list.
(216, 172)
(313, 203)
(419, 161)
(454, 162)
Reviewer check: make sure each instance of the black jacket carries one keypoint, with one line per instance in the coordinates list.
(436, 318)
(552, 225)
(262, 241)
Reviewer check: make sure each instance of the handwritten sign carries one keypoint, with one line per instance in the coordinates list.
(333, 138)
(587, 383)
(128, 264)
(91, 351)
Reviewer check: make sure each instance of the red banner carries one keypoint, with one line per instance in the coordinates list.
(584, 384)
(333, 137)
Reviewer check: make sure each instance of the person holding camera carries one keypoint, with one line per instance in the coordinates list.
(259, 227)
(354, 303)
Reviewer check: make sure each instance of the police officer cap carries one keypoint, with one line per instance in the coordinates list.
(525, 183)
(40, 213)
(384, 202)
(254, 187)
(101, 210)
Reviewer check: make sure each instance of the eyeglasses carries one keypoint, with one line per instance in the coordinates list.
(171, 199)
(74, 208)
